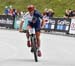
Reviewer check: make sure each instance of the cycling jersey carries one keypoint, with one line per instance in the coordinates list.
(37, 23)
(27, 16)
(37, 17)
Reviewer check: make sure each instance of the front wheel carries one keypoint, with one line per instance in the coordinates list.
(34, 48)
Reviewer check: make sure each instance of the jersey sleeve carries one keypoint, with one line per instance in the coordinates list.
(39, 14)
(24, 16)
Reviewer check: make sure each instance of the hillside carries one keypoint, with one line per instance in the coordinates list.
(58, 6)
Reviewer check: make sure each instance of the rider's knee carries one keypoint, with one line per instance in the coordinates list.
(27, 34)
(38, 35)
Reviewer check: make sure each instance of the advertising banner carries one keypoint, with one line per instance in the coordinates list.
(58, 24)
(50, 24)
(55, 24)
(6, 21)
(63, 24)
(72, 27)
(17, 23)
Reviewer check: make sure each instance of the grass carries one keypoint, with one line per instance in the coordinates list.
(59, 6)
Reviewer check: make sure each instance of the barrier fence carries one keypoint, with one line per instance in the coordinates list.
(58, 24)
(6, 21)
(53, 24)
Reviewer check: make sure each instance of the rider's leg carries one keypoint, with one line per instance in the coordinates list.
(38, 39)
(38, 43)
(27, 35)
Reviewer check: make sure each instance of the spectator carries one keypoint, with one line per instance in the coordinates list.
(45, 18)
(50, 13)
(45, 15)
(68, 13)
(10, 10)
(6, 10)
(73, 13)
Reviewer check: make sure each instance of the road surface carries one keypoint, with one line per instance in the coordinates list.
(57, 50)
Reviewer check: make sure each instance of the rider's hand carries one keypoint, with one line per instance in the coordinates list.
(42, 26)
(20, 30)
(42, 23)
(34, 21)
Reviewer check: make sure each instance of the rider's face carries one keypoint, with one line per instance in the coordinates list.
(31, 12)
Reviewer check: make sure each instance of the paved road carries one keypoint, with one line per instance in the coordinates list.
(57, 50)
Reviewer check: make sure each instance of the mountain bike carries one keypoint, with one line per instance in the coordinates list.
(32, 36)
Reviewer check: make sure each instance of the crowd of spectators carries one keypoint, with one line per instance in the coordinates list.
(48, 12)
(9, 10)
(69, 13)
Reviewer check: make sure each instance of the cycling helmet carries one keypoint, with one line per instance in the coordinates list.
(30, 8)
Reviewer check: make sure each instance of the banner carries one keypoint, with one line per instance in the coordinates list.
(50, 24)
(63, 24)
(72, 27)
(55, 24)
(58, 24)
(6, 21)
(17, 23)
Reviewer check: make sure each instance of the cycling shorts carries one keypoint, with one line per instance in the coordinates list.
(34, 25)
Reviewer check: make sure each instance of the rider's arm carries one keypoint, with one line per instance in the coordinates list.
(41, 17)
(22, 21)
(42, 20)
(21, 24)
(42, 23)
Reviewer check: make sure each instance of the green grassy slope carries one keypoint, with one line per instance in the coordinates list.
(58, 6)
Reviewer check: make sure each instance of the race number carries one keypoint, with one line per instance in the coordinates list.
(32, 31)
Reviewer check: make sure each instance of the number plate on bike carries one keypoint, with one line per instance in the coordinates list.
(31, 31)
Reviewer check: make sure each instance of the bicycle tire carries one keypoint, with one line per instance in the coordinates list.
(34, 48)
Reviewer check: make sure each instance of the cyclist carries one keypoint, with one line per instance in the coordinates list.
(34, 21)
